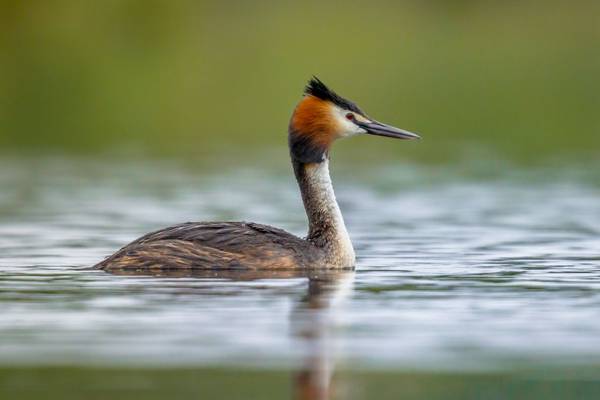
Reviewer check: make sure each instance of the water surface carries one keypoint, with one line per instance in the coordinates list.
(455, 274)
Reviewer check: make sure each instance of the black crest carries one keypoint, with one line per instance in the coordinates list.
(318, 89)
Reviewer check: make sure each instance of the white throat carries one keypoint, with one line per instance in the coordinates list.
(326, 224)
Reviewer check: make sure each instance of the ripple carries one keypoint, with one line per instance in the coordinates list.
(457, 275)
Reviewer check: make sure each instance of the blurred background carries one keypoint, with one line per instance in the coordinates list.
(516, 79)
(478, 269)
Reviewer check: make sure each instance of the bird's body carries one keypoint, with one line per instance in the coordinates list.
(246, 245)
(320, 118)
(223, 245)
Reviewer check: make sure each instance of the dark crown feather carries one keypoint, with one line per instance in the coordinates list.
(318, 89)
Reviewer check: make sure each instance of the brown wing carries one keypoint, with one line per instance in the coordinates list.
(210, 245)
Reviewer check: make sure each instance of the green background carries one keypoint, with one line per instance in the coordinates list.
(515, 79)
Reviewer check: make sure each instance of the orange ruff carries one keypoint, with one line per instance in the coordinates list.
(314, 120)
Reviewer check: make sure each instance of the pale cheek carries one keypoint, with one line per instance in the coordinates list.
(345, 127)
(358, 130)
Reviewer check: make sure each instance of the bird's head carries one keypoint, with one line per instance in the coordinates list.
(322, 116)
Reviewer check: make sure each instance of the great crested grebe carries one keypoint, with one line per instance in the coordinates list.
(319, 119)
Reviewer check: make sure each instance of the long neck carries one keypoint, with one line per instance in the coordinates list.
(326, 225)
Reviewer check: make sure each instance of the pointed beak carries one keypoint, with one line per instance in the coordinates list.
(380, 129)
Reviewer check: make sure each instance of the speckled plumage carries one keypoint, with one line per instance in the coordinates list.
(216, 245)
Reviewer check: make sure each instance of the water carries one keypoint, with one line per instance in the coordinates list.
(459, 275)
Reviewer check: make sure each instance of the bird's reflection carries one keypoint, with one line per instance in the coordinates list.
(313, 324)
(313, 320)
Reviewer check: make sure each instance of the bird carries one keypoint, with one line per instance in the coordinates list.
(319, 119)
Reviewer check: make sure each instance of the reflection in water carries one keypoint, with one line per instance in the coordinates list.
(312, 319)
(313, 323)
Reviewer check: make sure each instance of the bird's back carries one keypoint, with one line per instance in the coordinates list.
(216, 245)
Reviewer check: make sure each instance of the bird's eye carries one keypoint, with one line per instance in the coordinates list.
(350, 117)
